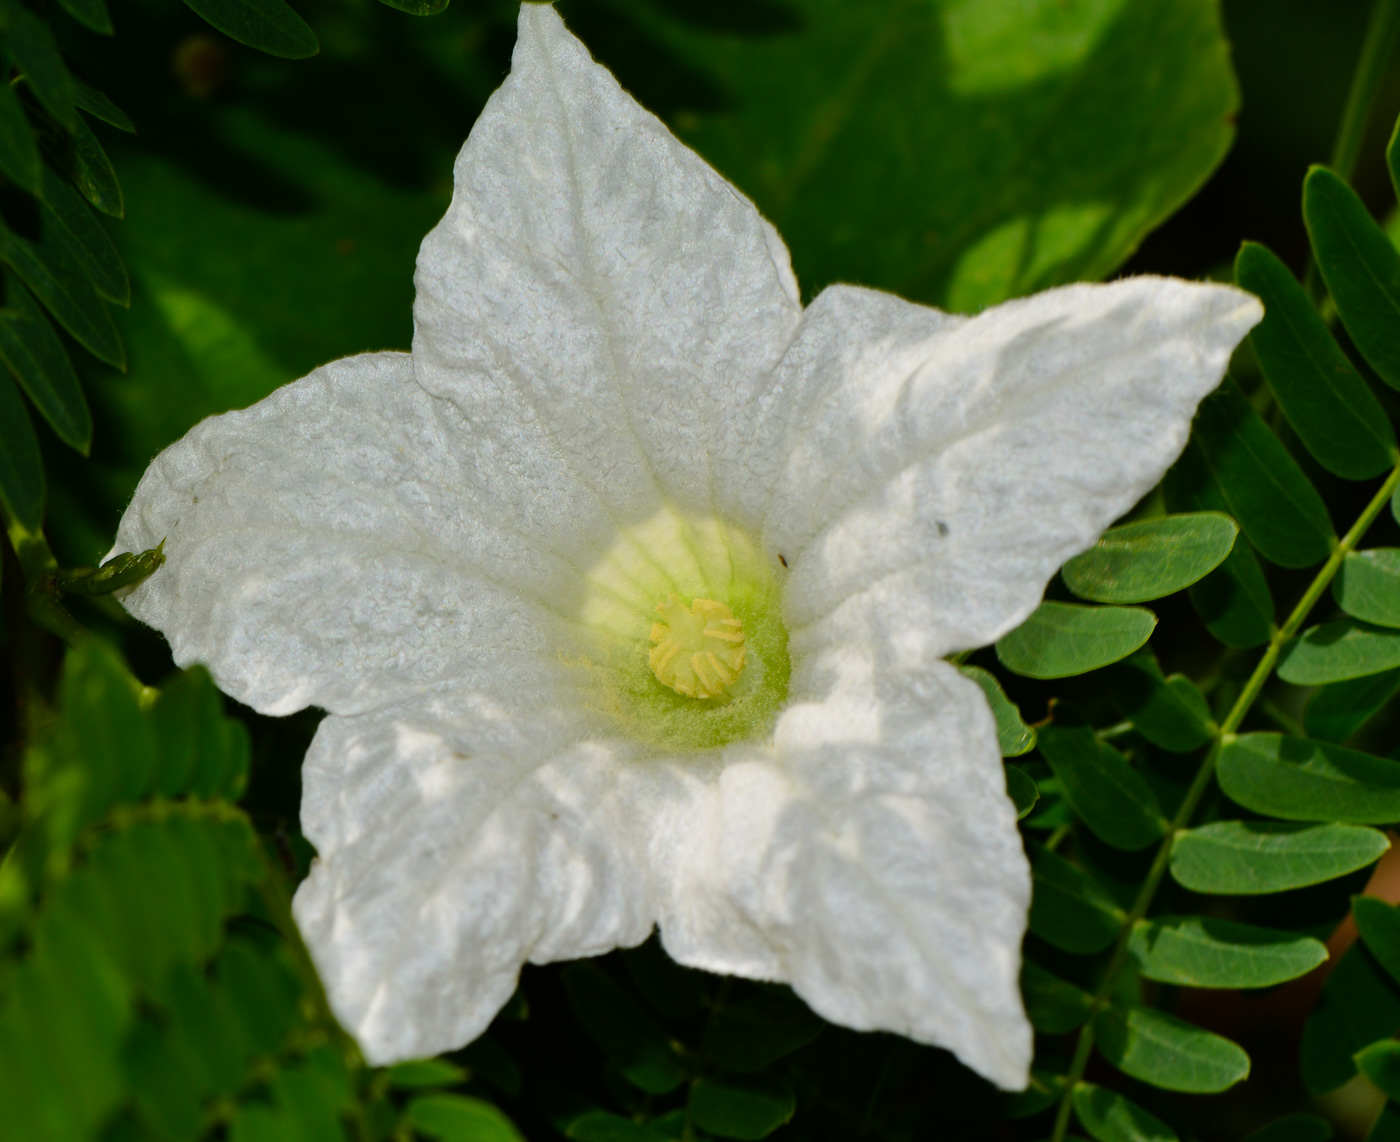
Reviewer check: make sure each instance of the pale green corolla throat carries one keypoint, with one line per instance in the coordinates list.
(688, 648)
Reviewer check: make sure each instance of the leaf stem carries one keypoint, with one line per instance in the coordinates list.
(1182, 818)
(1376, 49)
(1380, 38)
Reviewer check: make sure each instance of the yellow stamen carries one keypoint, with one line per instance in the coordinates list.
(699, 650)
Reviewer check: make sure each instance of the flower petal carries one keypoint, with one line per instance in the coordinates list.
(933, 473)
(330, 546)
(873, 864)
(458, 839)
(597, 299)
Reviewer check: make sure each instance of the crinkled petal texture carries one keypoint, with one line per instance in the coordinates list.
(868, 855)
(605, 330)
(325, 547)
(597, 299)
(932, 473)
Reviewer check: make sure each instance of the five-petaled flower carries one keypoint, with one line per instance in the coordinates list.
(629, 590)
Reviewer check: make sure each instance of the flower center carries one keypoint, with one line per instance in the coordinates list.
(697, 651)
(706, 665)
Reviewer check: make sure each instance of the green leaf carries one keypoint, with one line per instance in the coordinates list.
(1201, 951)
(51, 268)
(35, 356)
(1380, 1062)
(198, 749)
(21, 469)
(1014, 736)
(1360, 266)
(92, 14)
(489, 1062)
(1263, 487)
(1379, 925)
(1054, 1006)
(741, 1108)
(1367, 586)
(1301, 780)
(1337, 711)
(622, 1027)
(93, 173)
(1386, 1126)
(1358, 1004)
(88, 239)
(418, 1073)
(675, 991)
(1293, 1128)
(1103, 789)
(1169, 712)
(755, 1033)
(1020, 787)
(417, 7)
(457, 1118)
(838, 113)
(96, 104)
(29, 41)
(19, 153)
(1337, 651)
(1168, 1052)
(1233, 600)
(600, 1126)
(1248, 858)
(1151, 558)
(1110, 1117)
(1333, 411)
(1060, 640)
(271, 26)
(1068, 908)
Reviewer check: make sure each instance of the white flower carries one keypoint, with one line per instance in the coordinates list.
(616, 397)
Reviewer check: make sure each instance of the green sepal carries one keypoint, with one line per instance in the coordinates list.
(120, 571)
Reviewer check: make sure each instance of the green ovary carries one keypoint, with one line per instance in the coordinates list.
(688, 646)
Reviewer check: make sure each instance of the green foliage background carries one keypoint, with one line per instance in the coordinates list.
(200, 203)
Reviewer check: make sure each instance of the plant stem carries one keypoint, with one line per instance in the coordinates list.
(1365, 84)
(1376, 49)
(1252, 688)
